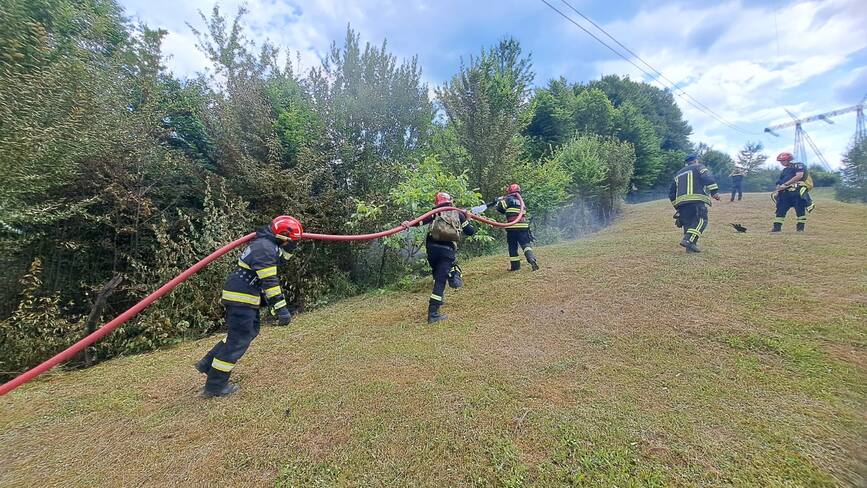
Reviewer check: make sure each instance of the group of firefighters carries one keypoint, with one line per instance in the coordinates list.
(695, 185)
(254, 281)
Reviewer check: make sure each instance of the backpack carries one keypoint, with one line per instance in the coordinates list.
(446, 226)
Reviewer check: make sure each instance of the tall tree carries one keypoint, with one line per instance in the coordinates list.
(632, 127)
(719, 163)
(486, 103)
(376, 113)
(853, 186)
(751, 157)
(654, 104)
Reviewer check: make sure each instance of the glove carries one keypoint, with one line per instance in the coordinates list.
(283, 316)
(676, 218)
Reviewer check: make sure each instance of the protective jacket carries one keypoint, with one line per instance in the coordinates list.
(254, 280)
(511, 206)
(790, 171)
(692, 184)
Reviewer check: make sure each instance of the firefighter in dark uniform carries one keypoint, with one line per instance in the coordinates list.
(689, 195)
(518, 234)
(737, 176)
(790, 193)
(442, 257)
(253, 282)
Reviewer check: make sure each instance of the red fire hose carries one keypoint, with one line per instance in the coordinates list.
(101, 332)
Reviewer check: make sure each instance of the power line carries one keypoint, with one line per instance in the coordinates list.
(684, 96)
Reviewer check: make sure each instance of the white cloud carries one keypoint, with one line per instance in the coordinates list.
(739, 71)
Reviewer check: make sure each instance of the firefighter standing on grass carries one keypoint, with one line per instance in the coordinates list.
(441, 245)
(737, 176)
(791, 191)
(688, 194)
(518, 234)
(253, 280)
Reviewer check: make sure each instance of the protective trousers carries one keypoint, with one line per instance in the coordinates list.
(786, 199)
(441, 259)
(243, 325)
(737, 188)
(693, 216)
(515, 238)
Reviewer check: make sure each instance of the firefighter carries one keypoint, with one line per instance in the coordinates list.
(253, 282)
(737, 176)
(689, 195)
(441, 245)
(518, 234)
(791, 192)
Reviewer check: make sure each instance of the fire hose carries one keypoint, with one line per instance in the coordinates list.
(107, 328)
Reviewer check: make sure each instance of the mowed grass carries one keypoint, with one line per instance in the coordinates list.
(623, 362)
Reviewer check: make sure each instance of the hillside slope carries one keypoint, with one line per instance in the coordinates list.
(623, 361)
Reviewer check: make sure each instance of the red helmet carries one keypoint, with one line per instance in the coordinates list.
(286, 227)
(442, 197)
(513, 188)
(785, 156)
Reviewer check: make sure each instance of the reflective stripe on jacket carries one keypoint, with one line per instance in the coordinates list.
(692, 184)
(254, 280)
(511, 207)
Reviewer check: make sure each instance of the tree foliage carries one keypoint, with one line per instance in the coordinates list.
(486, 105)
(853, 185)
(751, 157)
(633, 112)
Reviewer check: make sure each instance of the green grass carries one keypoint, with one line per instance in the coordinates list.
(623, 362)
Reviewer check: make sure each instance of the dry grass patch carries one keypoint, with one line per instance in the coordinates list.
(623, 362)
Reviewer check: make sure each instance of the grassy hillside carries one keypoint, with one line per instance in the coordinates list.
(624, 361)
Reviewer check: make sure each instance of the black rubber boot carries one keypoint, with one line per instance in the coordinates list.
(433, 313)
(225, 391)
(455, 280)
(800, 227)
(690, 246)
(531, 258)
(777, 228)
(515, 266)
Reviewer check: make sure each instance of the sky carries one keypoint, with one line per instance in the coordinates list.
(746, 60)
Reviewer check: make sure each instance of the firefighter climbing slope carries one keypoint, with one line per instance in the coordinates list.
(793, 191)
(441, 245)
(253, 280)
(518, 234)
(689, 195)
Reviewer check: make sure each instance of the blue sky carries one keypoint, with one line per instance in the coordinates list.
(747, 60)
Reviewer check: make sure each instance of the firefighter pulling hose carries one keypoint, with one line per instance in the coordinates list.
(101, 332)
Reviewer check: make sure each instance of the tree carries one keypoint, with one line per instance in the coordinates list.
(486, 103)
(853, 186)
(600, 169)
(751, 157)
(719, 163)
(375, 112)
(654, 104)
(632, 127)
